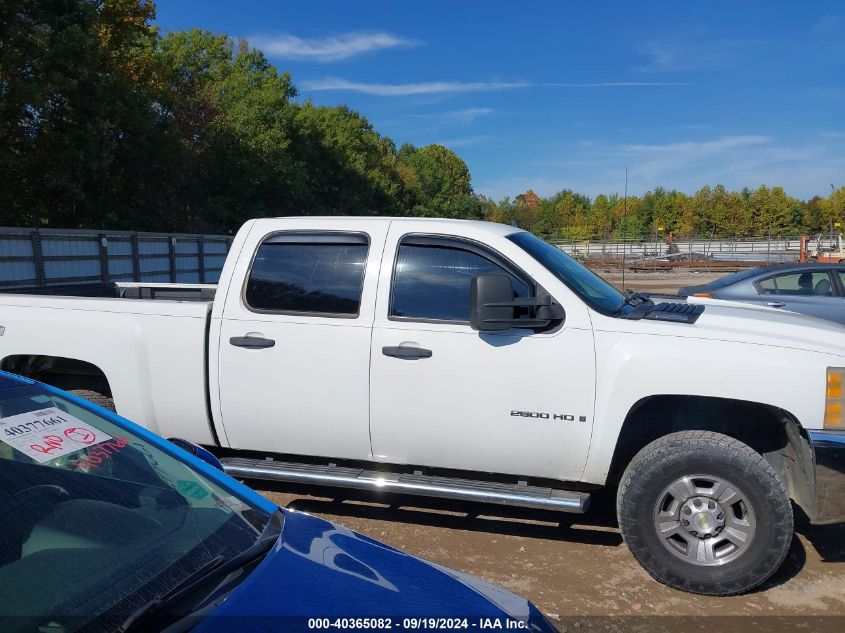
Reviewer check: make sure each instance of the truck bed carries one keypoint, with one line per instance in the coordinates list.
(152, 352)
(123, 290)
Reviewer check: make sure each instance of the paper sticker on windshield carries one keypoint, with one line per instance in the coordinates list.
(48, 433)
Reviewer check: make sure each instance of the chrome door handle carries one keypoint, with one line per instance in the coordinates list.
(252, 342)
(775, 304)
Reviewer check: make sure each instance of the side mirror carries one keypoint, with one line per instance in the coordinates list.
(197, 451)
(493, 307)
(491, 303)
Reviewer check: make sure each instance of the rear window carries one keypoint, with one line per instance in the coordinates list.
(308, 273)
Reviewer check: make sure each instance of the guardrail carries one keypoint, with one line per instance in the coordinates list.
(761, 248)
(48, 257)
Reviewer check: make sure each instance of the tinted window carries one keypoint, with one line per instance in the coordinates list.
(807, 283)
(308, 273)
(433, 282)
(593, 289)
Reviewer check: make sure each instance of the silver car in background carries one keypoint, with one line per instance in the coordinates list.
(814, 289)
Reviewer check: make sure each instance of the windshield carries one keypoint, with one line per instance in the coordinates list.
(594, 290)
(97, 521)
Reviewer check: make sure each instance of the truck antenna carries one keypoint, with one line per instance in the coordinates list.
(624, 219)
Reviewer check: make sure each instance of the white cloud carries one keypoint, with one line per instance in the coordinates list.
(402, 90)
(447, 87)
(690, 149)
(329, 49)
(463, 117)
(692, 51)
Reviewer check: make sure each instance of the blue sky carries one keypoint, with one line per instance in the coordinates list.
(554, 95)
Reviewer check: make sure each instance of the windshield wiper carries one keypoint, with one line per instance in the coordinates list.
(636, 299)
(217, 567)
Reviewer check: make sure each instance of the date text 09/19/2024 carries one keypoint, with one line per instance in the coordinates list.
(418, 623)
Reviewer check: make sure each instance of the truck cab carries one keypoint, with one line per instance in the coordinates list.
(363, 337)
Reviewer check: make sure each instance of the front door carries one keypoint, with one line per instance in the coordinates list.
(295, 344)
(445, 395)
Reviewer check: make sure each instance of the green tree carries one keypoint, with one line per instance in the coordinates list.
(600, 217)
(813, 214)
(349, 168)
(565, 215)
(526, 210)
(833, 209)
(443, 186)
(236, 126)
(76, 126)
(628, 220)
(771, 211)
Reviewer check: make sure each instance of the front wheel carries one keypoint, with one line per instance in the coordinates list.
(95, 397)
(705, 513)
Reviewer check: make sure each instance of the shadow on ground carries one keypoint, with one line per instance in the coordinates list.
(597, 527)
(827, 540)
(795, 560)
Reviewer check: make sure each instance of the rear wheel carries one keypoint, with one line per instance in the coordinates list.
(95, 397)
(705, 513)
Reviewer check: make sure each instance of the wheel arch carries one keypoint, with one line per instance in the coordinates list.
(59, 371)
(771, 431)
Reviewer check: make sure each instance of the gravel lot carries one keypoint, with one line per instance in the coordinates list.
(575, 571)
(668, 282)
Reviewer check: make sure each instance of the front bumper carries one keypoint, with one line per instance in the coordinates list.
(829, 449)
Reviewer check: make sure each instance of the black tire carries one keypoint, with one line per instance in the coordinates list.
(648, 481)
(95, 397)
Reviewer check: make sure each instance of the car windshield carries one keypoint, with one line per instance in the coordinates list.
(96, 520)
(595, 291)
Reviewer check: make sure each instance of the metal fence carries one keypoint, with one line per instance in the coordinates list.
(45, 257)
(748, 249)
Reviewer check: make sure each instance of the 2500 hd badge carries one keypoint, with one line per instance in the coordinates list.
(541, 415)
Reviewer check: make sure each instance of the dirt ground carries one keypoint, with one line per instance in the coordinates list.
(575, 571)
(667, 282)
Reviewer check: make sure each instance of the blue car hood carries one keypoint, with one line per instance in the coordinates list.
(319, 569)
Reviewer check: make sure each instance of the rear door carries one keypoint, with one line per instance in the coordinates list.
(812, 292)
(294, 343)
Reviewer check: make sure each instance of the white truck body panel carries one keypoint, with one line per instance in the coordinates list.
(316, 377)
(326, 389)
(151, 352)
(453, 410)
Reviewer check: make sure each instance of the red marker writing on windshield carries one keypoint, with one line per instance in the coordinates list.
(83, 436)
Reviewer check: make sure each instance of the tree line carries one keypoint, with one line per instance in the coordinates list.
(105, 122)
(710, 212)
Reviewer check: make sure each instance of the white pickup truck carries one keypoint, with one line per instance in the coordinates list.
(473, 361)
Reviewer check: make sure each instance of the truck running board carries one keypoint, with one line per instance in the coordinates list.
(518, 495)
